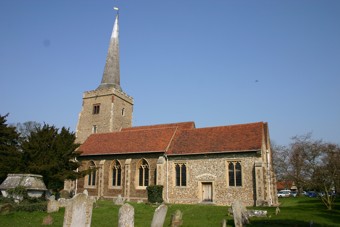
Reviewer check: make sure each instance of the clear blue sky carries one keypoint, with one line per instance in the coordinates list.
(215, 62)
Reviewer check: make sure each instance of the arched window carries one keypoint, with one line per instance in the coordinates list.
(143, 171)
(116, 174)
(181, 174)
(231, 174)
(235, 174)
(238, 174)
(91, 178)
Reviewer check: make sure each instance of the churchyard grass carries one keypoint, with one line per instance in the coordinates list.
(294, 212)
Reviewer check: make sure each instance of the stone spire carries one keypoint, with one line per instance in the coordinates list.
(111, 75)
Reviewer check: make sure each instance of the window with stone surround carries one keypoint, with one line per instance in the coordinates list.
(143, 173)
(116, 174)
(96, 108)
(91, 177)
(234, 174)
(181, 174)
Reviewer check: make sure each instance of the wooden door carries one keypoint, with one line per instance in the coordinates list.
(207, 192)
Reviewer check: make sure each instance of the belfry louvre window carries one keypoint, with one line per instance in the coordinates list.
(181, 174)
(116, 174)
(91, 178)
(235, 174)
(96, 109)
(143, 171)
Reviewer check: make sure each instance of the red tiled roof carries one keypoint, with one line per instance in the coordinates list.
(233, 138)
(285, 185)
(177, 139)
(135, 141)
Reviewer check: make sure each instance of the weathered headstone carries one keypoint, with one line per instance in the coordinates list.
(240, 214)
(126, 216)
(6, 208)
(257, 213)
(78, 212)
(119, 200)
(224, 223)
(48, 220)
(64, 194)
(176, 219)
(277, 210)
(159, 216)
(64, 202)
(52, 205)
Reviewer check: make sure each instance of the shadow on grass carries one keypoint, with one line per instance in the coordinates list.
(290, 223)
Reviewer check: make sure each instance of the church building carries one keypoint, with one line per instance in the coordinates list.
(213, 165)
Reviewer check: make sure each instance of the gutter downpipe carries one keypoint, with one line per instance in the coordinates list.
(167, 178)
(77, 170)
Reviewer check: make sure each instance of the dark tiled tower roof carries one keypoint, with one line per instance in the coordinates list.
(111, 75)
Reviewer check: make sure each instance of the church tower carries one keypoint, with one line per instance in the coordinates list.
(107, 108)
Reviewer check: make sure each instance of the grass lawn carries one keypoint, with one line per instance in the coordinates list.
(294, 212)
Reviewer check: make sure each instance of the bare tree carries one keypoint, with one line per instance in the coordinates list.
(280, 156)
(327, 174)
(25, 129)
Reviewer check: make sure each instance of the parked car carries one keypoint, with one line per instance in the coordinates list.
(283, 193)
(312, 194)
(293, 193)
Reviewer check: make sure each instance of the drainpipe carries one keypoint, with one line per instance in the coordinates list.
(76, 189)
(167, 178)
(269, 179)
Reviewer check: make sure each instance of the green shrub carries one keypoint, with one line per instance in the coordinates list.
(18, 192)
(30, 207)
(155, 193)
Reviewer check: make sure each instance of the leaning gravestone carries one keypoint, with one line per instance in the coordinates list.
(78, 212)
(240, 214)
(176, 219)
(159, 216)
(126, 216)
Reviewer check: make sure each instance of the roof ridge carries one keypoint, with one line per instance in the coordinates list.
(224, 126)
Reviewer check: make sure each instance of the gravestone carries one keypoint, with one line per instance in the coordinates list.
(64, 202)
(64, 194)
(257, 213)
(224, 223)
(48, 220)
(240, 214)
(159, 216)
(6, 208)
(78, 212)
(52, 205)
(119, 200)
(277, 210)
(176, 219)
(126, 216)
